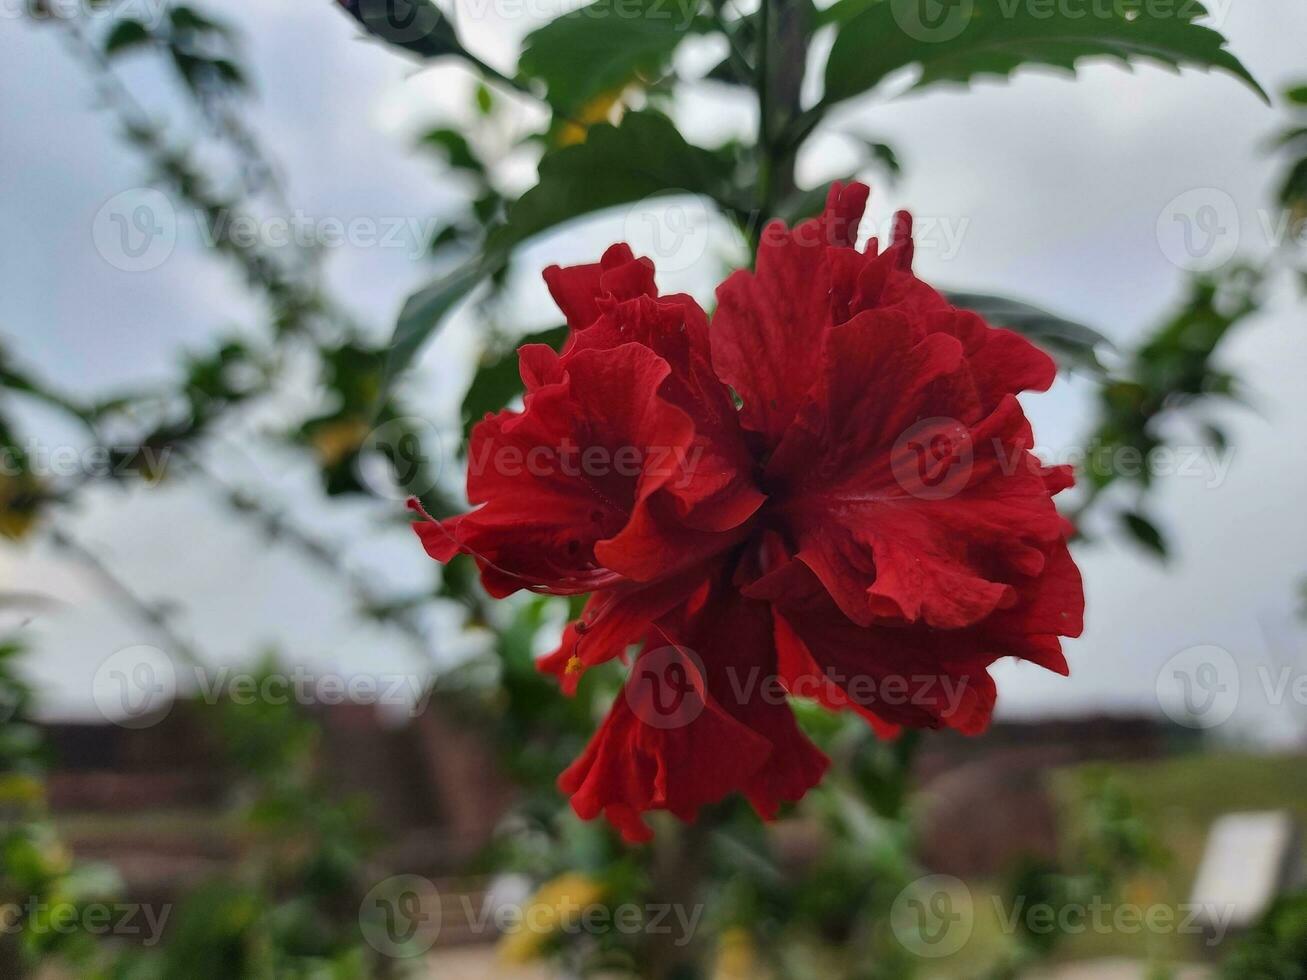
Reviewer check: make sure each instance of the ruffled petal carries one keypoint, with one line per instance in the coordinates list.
(696, 722)
(612, 621)
(906, 505)
(578, 289)
(770, 326)
(574, 468)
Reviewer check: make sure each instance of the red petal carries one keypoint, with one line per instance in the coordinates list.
(574, 468)
(695, 724)
(770, 325)
(577, 289)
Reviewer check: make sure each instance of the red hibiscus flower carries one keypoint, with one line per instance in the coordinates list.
(828, 493)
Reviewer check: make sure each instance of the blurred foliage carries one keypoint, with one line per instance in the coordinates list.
(1106, 845)
(1277, 948)
(1160, 395)
(40, 886)
(807, 897)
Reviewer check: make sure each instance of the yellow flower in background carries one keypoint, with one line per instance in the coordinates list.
(556, 905)
(737, 957)
(606, 107)
(19, 790)
(333, 442)
(18, 505)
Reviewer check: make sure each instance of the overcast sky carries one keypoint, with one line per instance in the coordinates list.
(1044, 188)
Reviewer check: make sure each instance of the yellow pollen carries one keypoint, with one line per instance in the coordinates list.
(574, 666)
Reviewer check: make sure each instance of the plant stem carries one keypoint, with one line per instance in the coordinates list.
(782, 56)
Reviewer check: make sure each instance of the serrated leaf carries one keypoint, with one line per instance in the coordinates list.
(603, 46)
(1072, 344)
(1145, 532)
(126, 34)
(498, 381)
(965, 39)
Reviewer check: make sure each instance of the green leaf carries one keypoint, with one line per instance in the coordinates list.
(1073, 344)
(960, 40)
(643, 157)
(498, 381)
(127, 34)
(842, 10)
(454, 147)
(425, 310)
(1145, 532)
(1297, 94)
(417, 26)
(190, 19)
(601, 47)
(884, 155)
